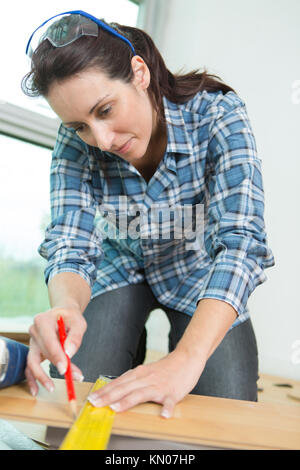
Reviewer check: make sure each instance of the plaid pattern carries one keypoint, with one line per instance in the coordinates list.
(211, 159)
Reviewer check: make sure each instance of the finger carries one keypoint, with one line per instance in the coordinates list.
(35, 372)
(107, 395)
(32, 384)
(76, 373)
(168, 407)
(75, 332)
(45, 336)
(141, 395)
(128, 376)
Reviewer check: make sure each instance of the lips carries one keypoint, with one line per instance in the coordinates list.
(124, 147)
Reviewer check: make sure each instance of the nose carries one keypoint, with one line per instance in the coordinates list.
(104, 137)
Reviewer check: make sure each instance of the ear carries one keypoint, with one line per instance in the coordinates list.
(141, 72)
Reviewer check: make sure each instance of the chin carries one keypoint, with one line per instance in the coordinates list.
(138, 152)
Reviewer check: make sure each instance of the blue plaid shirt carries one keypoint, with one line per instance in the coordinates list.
(211, 162)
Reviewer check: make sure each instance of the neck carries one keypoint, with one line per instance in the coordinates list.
(158, 142)
(148, 164)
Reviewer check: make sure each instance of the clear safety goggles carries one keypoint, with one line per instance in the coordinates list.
(60, 33)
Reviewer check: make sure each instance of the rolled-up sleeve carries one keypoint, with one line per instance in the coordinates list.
(71, 242)
(235, 236)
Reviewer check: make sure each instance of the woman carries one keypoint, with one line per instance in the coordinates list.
(133, 133)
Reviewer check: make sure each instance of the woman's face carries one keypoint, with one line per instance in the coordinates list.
(115, 116)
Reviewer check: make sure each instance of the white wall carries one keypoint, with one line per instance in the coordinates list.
(255, 47)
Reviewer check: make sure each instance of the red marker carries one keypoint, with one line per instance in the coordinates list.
(68, 373)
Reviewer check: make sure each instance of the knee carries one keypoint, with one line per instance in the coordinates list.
(233, 385)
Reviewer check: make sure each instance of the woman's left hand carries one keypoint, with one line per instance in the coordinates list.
(166, 382)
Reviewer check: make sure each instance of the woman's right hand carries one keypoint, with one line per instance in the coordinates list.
(45, 344)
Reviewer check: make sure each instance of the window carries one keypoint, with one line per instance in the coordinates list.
(24, 209)
(25, 160)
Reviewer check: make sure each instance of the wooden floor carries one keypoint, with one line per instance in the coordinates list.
(273, 389)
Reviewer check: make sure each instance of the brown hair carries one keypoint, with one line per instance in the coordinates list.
(113, 57)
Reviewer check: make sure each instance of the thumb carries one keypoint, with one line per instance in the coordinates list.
(168, 407)
(75, 332)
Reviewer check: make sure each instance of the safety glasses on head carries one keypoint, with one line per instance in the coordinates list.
(72, 26)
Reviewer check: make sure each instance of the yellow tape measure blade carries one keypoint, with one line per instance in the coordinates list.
(92, 428)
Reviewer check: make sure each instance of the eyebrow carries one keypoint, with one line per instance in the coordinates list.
(90, 112)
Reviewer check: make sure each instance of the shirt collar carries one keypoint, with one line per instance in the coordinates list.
(178, 138)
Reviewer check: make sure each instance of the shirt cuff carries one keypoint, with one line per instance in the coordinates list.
(230, 282)
(67, 267)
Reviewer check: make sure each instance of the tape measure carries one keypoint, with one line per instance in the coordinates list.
(92, 428)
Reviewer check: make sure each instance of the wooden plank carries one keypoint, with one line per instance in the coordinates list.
(209, 421)
(23, 338)
(219, 422)
(17, 403)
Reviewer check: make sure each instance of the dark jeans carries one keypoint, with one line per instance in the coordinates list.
(115, 341)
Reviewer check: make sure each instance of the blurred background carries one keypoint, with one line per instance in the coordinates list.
(254, 47)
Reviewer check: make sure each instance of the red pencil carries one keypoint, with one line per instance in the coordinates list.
(68, 373)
